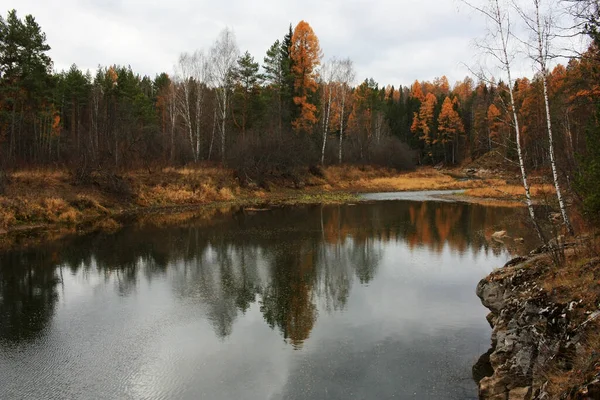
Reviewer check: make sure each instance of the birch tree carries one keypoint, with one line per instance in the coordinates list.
(223, 59)
(346, 78)
(329, 74)
(498, 46)
(540, 22)
(191, 77)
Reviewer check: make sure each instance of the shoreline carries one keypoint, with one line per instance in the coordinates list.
(38, 201)
(545, 321)
(302, 198)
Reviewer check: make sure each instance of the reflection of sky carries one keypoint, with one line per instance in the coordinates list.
(413, 331)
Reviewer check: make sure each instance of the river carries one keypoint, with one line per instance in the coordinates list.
(368, 301)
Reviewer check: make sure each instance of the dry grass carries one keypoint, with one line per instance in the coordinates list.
(7, 216)
(500, 189)
(384, 180)
(39, 196)
(181, 194)
(108, 225)
(577, 280)
(40, 174)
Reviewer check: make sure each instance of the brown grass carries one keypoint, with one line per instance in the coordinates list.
(500, 189)
(384, 180)
(108, 225)
(38, 196)
(577, 279)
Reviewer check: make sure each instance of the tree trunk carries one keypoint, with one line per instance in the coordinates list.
(326, 128)
(506, 62)
(342, 124)
(223, 116)
(542, 64)
(212, 137)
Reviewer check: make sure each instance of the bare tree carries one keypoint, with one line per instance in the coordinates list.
(346, 78)
(191, 77)
(498, 46)
(223, 59)
(329, 74)
(586, 14)
(540, 22)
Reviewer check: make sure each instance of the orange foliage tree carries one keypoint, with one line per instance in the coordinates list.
(423, 122)
(306, 55)
(450, 127)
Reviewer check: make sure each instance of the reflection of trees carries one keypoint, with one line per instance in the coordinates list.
(28, 294)
(293, 261)
(288, 299)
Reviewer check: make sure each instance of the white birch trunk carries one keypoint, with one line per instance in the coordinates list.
(506, 62)
(326, 126)
(542, 64)
(342, 123)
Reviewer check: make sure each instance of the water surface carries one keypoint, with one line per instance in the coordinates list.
(372, 301)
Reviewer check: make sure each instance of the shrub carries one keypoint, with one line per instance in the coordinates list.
(392, 153)
(257, 160)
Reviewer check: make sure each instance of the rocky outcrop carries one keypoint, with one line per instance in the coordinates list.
(531, 333)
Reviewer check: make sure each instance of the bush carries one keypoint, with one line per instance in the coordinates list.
(258, 160)
(390, 152)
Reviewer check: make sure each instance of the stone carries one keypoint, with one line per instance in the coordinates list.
(499, 235)
(523, 393)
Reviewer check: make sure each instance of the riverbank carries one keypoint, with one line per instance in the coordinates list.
(58, 201)
(545, 315)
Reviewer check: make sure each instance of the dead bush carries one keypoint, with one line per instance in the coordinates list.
(258, 160)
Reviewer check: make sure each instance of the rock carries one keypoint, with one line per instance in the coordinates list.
(528, 331)
(491, 295)
(499, 235)
(555, 217)
(523, 393)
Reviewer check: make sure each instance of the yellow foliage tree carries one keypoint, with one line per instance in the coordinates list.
(305, 53)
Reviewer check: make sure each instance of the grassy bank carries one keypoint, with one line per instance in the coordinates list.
(42, 198)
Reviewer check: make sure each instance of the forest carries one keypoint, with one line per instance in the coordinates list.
(294, 109)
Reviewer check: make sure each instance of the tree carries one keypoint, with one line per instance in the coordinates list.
(247, 79)
(423, 123)
(25, 85)
(498, 47)
(223, 58)
(167, 108)
(329, 74)
(450, 126)
(346, 78)
(275, 76)
(305, 54)
(542, 27)
(416, 91)
(494, 123)
(191, 76)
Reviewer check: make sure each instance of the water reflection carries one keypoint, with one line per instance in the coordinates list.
(287, 259)
(291, 267)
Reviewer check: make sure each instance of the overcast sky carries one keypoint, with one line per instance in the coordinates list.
(392, 41)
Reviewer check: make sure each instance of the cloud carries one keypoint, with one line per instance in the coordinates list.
(392, 41)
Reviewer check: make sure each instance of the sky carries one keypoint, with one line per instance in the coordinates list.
(392, 41)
